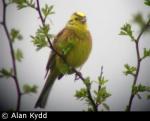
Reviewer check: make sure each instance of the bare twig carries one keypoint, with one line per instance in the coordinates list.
(12, 56)
(139, 59)
(62, 57)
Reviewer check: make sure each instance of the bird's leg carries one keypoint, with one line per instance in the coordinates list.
(76, 76)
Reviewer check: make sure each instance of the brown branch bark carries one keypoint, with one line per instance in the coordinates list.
(139, 59)
(14, 76)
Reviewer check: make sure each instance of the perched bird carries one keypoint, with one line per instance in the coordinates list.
(75, 43)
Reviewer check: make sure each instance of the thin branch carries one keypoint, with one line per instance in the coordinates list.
(99, 86)
(12, 56)
(143, 30)
(100, 78)
(62, 57)
(138, 63)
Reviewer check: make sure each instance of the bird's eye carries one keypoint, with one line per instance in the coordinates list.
(76, 19)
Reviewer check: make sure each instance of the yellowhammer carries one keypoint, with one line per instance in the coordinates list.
(75, 43)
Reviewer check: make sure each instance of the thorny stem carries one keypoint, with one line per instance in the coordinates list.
(14, 76)
(62, 57)
(139, 59)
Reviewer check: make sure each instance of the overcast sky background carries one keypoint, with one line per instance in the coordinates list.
(109, 49)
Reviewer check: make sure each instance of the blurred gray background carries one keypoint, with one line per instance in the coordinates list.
(109, 49)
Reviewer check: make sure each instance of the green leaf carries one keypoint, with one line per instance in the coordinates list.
(6, 73)
(39, 42)
(148, 97)
(126, 30)
(40, 39)
(43, 30)
(34, 89)
(129, 70)
(88, 82)
(18, 55)
(101, 95)
(23, 3)
(146, 53)
(143, 88)
(47, 10)
(102, 80)
(29, 89)
(15, 34)
(81, 94)
(106, 106)
(140, 88)
(138, 18)
(135, 90)
(147, 2)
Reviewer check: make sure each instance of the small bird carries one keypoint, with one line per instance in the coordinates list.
(74, 42)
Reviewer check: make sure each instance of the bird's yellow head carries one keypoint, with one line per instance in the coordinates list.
(78, 21)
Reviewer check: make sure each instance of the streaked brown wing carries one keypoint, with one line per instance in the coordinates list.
(61, 37)
(51, 60)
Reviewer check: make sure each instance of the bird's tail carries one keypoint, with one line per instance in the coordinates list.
(42, 100)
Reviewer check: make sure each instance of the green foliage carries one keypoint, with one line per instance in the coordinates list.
(6, 73)
(29, 89)
(138, 19)
(140, 88)
(43, 30)
(129, 70)
(148, 97)
(87, 82)
(81, 94)
(40, 39)
(18, 55)
(100, 95)
(146, 53)
(147, 2)
(15, 34)
(126, 30)
(102, 81)
(47, 10)
(23, 3)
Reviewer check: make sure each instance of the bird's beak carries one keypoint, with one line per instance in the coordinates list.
(83, 20)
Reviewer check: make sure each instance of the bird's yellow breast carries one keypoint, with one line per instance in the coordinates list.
(80, 53)
(77, 55)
